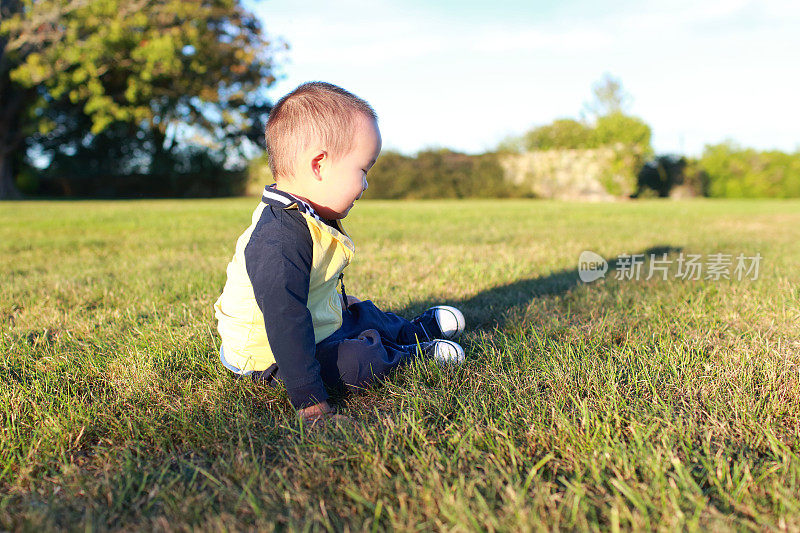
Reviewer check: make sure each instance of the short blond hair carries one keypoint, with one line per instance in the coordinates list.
(314, 111)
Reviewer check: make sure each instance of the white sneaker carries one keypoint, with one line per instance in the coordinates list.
(444, 351)
(450, 320)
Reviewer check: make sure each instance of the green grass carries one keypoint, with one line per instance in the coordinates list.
(617, 404)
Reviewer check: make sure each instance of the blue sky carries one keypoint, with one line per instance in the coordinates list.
(466, 74)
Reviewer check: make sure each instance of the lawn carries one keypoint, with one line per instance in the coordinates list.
(617, 404)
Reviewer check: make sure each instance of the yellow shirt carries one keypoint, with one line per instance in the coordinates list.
(241, 322)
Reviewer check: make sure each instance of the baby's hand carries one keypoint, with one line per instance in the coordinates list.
(350, 301)
(321, 414)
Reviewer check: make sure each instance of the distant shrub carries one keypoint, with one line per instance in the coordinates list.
(723, 171)
(258, 175)
(619, 128)
(613, 129)
(200, 184)
(695, 179)
(747, 173)
(561, 133)
(439, 174)
(113, 165)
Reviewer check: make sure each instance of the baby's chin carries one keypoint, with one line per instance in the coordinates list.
(330, 214)
(348, 208)
(346, 211)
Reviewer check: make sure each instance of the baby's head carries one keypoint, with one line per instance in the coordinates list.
(321, 142)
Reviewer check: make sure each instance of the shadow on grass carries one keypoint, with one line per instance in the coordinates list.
(490, 308)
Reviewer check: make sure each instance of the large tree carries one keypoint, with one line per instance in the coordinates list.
(156, 69)
(13, 100)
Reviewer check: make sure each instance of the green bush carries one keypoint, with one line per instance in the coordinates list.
(747, 173)
(561, 133)
(619, 128)
(613, 129)
(439, 174)
(258, 175)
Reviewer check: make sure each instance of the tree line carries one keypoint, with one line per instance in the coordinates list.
(723, 170)
(168, 98)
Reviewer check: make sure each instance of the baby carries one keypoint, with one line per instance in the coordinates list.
(280, 317)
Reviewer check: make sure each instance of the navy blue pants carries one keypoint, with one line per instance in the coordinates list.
(369, 344)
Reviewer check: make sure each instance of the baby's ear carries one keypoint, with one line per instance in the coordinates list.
(319, 163)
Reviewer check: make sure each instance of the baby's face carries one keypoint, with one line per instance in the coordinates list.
(345, 178)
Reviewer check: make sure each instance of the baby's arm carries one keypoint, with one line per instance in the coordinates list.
(278, 262)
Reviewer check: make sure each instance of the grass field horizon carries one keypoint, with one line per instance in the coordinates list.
(617, 404)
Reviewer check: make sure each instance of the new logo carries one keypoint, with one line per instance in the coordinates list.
(591, 266)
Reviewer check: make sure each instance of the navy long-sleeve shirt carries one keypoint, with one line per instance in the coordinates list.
(278, 260)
